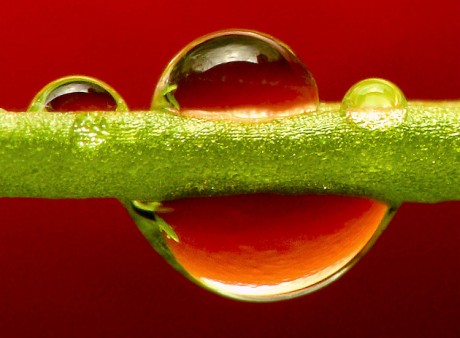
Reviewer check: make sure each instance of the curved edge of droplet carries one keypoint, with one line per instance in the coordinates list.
(326, 281)
(39, 102)
(153, 234)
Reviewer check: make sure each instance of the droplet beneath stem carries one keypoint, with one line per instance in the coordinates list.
(267, 247)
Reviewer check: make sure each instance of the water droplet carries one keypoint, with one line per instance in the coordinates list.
(77, 93)
(89, 131)
(237, 75)
(264, 247)
(375, 103)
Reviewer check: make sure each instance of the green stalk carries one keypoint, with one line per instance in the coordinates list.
(157, 155)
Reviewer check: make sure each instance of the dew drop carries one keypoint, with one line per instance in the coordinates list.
(264, 247)
(237, 75)
(77, 93)
(375, 103)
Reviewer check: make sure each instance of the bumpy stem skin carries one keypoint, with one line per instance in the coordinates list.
(159, 156)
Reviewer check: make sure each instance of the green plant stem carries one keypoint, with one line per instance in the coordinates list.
(158, 155)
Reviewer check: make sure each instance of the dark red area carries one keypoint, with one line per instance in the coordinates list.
(79, 101)
(259, 219)
(262, 220)
(81, 268)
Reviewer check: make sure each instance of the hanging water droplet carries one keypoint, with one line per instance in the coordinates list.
(77, 93)
(375, 103)
(237, 75)
(263, 247)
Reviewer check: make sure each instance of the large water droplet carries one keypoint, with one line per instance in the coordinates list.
(236, 75)
(263, 247)
(77, 93)
(375, 103)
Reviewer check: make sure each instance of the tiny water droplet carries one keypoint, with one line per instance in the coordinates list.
(77, 93)
(263, 247)
(375, 103)
(89, 131)
(237, 75)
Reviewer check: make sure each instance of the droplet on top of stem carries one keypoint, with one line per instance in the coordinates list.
(375, 103)
(236, 75)
(77, 93)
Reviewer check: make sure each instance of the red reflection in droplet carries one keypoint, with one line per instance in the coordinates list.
(80, 96)
(238, 70)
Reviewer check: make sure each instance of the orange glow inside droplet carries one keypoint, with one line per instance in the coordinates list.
(268, 239)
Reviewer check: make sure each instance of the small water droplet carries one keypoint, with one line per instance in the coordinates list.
(264, 247)
(375, 103)
(89, 131)
(237, 75)
(77, 93)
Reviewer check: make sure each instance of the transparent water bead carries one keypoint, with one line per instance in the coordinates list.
(264, 247)
(77, 93)
(375, 103)
(237, 75)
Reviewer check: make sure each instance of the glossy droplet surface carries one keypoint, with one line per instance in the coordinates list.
(77, 93)
(237, 75)
(375, 103)
(268, 247)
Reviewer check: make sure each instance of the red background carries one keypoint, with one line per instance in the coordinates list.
(81, 268)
